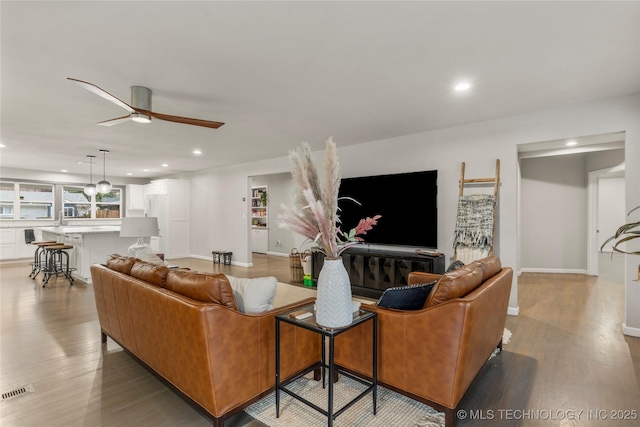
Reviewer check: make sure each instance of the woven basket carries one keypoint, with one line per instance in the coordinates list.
(297, 274)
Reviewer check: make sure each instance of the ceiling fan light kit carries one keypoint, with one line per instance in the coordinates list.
(104, 186)
(140, 118)
(140, 108)
(90, 189)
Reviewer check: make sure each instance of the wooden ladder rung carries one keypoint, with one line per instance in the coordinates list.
(465, 181)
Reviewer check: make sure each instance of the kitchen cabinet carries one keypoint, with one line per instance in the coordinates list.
(135, 196)
(260, 240)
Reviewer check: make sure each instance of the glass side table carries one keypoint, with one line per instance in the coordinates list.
(328, 334)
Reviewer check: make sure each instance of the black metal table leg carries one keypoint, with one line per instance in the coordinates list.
(277, 368)
(331, 368)
(375, 364)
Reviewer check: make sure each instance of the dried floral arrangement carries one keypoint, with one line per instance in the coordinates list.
(315, 215)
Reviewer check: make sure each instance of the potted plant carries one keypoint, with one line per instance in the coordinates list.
(625, 233)
(315, 216)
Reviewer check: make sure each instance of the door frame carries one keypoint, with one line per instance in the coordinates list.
(592, 215)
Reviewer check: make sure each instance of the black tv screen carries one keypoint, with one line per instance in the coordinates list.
(406, 201)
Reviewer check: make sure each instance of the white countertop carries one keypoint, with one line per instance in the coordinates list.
(80, 229)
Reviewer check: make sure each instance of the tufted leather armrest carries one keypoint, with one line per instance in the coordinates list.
(416, 277)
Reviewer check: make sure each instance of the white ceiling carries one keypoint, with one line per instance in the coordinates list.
(279, 73)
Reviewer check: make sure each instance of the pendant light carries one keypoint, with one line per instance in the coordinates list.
(90, 189)
(104, 186)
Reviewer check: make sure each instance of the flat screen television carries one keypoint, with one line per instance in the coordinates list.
(406, 201)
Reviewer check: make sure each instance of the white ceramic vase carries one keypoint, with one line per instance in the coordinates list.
(333, 303)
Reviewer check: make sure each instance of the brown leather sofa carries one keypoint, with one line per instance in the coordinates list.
(184, 326)
(433, 354)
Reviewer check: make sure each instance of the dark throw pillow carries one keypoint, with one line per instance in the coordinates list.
(455, 265)
(406, 297)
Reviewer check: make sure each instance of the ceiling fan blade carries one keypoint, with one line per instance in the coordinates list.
(184, 120)
(103, 93)
(115, 121)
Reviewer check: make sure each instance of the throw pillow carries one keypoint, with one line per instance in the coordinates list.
(203, 287)
(455, 265)
(253, 295)
(406, 297)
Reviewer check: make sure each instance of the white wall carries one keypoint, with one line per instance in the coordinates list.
(476, 144)
(611, 211)
(553, 214)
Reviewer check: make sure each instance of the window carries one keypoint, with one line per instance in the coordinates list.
(36, 201)
(75, 203)
(7, 197)
(108, 204)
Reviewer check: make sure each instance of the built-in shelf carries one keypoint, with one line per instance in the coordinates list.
(259, 219)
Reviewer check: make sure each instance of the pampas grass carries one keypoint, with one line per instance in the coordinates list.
(315, 212)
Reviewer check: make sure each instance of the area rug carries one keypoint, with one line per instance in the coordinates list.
(394, 409)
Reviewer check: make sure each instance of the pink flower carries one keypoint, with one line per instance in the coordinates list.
(366, 224)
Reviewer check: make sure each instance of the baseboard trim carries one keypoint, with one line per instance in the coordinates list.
(630, 331)
(513, 311)
(278, 254)
(210, 258)
(554, 270)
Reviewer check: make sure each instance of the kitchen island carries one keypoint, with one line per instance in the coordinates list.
(91, 244)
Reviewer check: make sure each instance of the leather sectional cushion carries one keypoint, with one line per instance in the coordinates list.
(122, 264)
(456, 284)
(490, 267)
(410, 297)
(151, 273)
(203, 287)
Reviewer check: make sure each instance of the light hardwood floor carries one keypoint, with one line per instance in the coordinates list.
(567, 353)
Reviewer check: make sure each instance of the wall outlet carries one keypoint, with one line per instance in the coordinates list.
(278, 244)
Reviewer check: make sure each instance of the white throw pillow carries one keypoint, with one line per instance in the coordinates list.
(253, 295)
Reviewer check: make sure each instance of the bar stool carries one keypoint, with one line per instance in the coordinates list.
(57, 263)
(38, 256)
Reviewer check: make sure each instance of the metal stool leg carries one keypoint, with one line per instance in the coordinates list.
(55, 265)
(47, 268)
(39, 257)
(66, 271)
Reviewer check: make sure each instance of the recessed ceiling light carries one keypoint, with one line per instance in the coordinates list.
(63, 170)
(462, 86)
(164, 165)
(145, 170)
(2, 146)
(129, 174)
(197, 152)
(571, 143)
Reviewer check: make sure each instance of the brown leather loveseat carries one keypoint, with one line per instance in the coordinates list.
(433, 354)
(185, 327)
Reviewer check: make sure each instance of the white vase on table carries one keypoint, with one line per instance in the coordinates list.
(333, 303)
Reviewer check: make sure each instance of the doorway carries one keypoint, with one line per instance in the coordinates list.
(557, 218)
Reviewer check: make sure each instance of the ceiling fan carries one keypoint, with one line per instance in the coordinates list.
(140, 108)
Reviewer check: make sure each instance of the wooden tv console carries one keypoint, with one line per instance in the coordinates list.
(371, 271)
